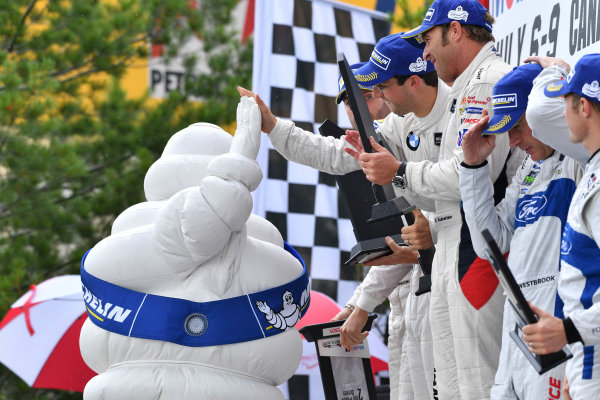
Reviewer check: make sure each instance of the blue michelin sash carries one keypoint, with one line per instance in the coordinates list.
(188, 323)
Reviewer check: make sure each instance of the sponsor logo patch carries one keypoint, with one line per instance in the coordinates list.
(505, 101)
(471, 110)
(458, 14)
(366, 78)
(380, 60)
(413, 141)
(555, 87)
(500, 124)
(419, 66)
(531, 208)
(461, 135)
(591, 89)
(565, 245)
(429, 14)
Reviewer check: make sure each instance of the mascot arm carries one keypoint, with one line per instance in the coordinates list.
(198, 222)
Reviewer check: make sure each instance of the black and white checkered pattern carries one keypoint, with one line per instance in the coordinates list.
(295, 71)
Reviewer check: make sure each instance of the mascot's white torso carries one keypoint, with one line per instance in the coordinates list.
(196, 239)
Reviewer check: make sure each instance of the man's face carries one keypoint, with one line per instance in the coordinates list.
(377, 107)
(573, 118)
(441, 53)
(520, 135)
(396, 96)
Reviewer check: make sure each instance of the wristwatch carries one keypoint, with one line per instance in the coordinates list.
(399, 180)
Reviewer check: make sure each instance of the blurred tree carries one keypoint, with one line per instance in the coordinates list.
(74, 148)
(408, 16)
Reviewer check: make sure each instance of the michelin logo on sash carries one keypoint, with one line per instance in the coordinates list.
(290, 312)
(192, 323)
(101, 310)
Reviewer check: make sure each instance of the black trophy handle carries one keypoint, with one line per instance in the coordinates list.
(379, 193)
(425, 261)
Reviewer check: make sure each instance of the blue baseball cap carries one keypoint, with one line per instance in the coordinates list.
(342, 85)
(392, 56)
(510, 97)
(467, 12)
(582, 80)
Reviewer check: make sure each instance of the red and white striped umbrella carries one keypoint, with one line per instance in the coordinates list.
(39, 336)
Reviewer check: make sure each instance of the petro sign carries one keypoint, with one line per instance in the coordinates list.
(566, 29)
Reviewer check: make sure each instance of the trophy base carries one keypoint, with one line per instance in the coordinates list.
(391, 208)
(368, 250)
(541, 363)
(424, 285)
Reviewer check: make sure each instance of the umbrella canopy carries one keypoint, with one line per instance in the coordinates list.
(39, 336)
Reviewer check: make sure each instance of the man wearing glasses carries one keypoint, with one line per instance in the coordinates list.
(412, 132)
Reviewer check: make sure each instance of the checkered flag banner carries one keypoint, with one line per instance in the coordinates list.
(295, 71)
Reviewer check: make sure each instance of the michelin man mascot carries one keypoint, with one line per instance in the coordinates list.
(192, 296)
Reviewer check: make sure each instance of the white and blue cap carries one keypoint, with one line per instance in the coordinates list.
(441, 12)
(342, 85)
(392, 56)
(582, 80)
(510, 97)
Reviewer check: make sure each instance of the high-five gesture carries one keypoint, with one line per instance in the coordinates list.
(246, 140)
(268, 119)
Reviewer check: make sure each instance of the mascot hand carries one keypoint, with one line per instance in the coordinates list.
(246, 140)
(264, 308)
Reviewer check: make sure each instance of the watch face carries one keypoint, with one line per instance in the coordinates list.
(399, 182)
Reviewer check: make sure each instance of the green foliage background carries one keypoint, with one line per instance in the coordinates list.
(73, 148)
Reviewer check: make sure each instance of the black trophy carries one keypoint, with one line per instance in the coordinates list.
(345, 374)
(525, 315)
(359, 198)
(383, 209)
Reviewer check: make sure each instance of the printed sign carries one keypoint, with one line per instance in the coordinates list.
(567, 29)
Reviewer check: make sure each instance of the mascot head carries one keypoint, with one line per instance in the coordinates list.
(184, 160)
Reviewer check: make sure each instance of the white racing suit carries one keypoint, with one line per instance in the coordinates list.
(466, 302)
(528, 222)
(579, 276)
(547, 115)
(409, 138)
(417, 349)
(393, 282)
(579, 284)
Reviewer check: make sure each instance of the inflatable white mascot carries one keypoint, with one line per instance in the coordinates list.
(192, 296)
